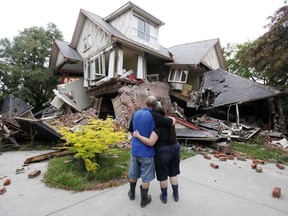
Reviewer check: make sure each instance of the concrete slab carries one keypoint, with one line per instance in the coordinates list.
(233, 189)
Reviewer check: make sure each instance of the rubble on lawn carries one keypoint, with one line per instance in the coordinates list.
(20, 124)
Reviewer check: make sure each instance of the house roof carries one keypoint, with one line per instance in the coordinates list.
(111, 31)
(229, 88)
(192, 53)
(137, 9)
(67, 51)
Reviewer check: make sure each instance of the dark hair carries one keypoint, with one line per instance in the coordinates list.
(159, 109)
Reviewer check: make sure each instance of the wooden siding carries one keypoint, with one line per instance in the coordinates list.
(99, 39)
(211, 59)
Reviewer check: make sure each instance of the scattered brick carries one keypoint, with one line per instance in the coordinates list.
(224, 147)
(259, 169)
(260, 161)
(215, 166)
(253, 165)
(271, 160)
(276, 192)
(34, 174)
(2, 190)
(241, 158)
(222, 155)
(216, 155)
(7, 182)
(222, 159)
(280, 166)
(230, 157)
(208, 157)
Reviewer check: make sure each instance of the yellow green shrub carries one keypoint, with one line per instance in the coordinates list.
(88, 141)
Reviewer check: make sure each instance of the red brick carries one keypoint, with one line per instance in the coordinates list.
(2, 190)
(208, 157)
(276, 192)
(230, 157)
(215, 166)
(222, 159)
(280, 166)
(222, 155)
(260, 161)
(253, 165)
(216, 155)
(7, 182)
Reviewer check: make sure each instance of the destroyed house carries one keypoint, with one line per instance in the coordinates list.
(118, 60)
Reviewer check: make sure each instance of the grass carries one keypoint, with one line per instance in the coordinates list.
(255, 148)
(70, 174)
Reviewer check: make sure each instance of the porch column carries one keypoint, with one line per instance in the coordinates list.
(111, 68)
(120, 62)
(141, 67)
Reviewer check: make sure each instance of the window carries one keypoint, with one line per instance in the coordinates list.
(99, 70)
(153, 77)
(87, 42)
(178, 75)
(144, 30)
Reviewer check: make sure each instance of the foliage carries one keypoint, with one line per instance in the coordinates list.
(67, 173)
(70, 174)
(186, 153)
(257, 149)
(90, 140)
(234, 55)
(269, 53)
(23, 65)
(266, 57)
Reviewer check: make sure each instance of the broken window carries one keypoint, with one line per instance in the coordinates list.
(143, 29)
(178, 75)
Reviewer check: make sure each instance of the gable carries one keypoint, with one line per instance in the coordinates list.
(206, 52)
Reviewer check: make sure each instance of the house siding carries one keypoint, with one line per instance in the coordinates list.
(99, 39)
(211, 59)
(123, 23)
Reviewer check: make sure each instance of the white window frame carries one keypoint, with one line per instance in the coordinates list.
(149, 33)
(87, 42)
(152, 77)
(178, 75)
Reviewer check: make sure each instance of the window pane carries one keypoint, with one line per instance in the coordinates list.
(178, 74)
(184, 75)
(97, 66)
(172, 75)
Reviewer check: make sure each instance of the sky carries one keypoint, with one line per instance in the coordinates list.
(186, 21)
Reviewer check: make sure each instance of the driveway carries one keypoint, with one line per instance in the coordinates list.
(233, 189)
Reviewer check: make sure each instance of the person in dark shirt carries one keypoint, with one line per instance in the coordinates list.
(167, 156)
(142, 156)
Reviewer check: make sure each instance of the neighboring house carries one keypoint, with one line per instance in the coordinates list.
(123, 50)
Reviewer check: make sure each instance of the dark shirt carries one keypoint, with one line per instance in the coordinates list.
(166, 136)
(145, 121)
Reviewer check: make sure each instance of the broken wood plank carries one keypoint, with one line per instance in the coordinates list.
(34, 173)
(47, 156)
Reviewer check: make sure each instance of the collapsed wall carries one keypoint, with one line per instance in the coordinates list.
(132, 98)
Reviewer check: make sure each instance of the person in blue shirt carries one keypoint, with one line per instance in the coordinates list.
(142, 156)
(167, 156)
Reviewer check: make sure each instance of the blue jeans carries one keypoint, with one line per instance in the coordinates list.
(142, 167)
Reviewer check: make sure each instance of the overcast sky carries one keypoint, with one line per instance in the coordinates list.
(232, 21)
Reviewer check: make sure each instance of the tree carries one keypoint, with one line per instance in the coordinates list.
(23, 61)
(265, 58)
(268, 55)
(235, 59)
